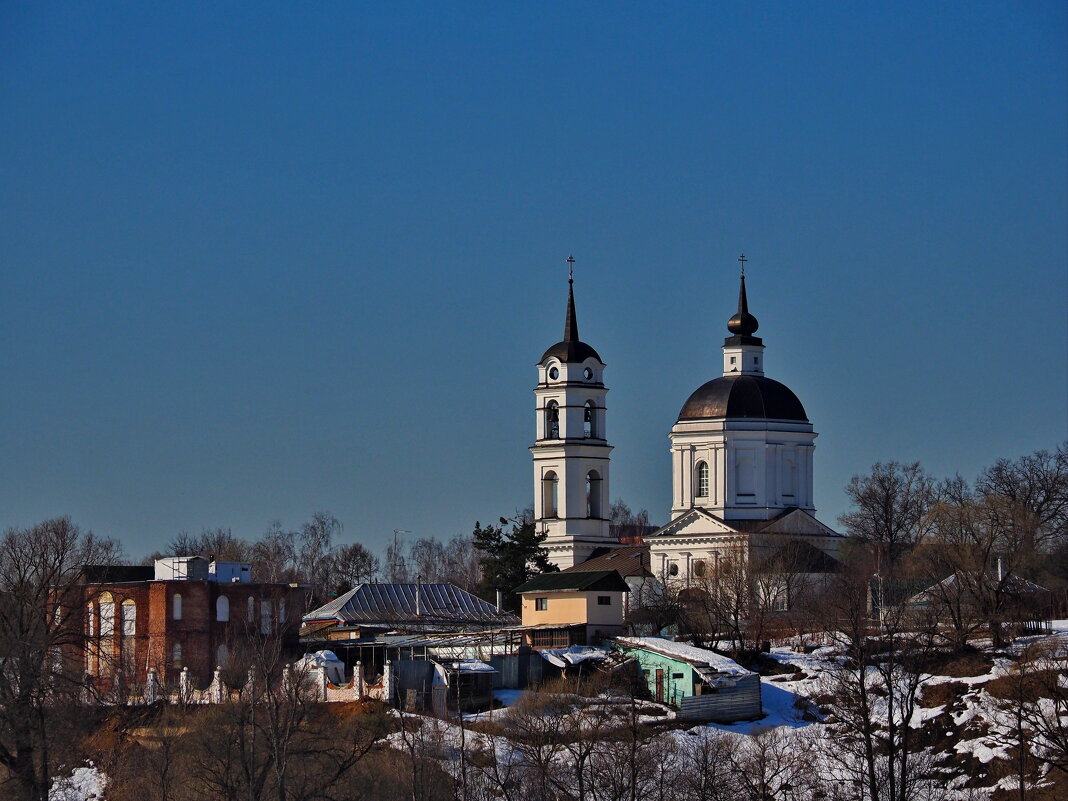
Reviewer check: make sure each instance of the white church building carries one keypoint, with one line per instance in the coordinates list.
(741, 461)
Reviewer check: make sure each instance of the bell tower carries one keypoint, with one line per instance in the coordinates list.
(570, 448)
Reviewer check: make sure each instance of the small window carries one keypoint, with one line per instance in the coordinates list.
(587, 420)
(541, 604)
(176, 606)
(699, 568)
(587, 373)
(673, 569)
(676, 675)
(251, 609)
(756, 360)
(702, 479)
(176, 655)
(266, 618)
(604, 600)
(222, 609)
(553, 373)
(734, 360)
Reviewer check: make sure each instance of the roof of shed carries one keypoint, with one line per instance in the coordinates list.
(698, 657)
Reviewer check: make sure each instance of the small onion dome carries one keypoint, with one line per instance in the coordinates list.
(748, 396)
(743, 323)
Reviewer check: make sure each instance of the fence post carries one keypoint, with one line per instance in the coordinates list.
(320, 682)
(387, 682)
(357, 680)
(216, 689)
(152, 687)
(184, 689)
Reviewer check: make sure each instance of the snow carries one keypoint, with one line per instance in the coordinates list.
(84, 784)
(686, 652)
(472, 666)
(573, 655)
(335, 668)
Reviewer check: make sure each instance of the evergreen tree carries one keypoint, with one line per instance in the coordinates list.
(510, 558)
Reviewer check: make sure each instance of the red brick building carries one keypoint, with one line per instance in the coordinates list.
(183, 612)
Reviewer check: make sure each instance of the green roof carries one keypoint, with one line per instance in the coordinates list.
(607, 580)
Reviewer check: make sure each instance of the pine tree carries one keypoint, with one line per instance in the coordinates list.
(510, 558)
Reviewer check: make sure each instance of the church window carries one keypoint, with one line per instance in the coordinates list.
(702, 479)
(129, 629)
(549, 486)
(176, 606)
(222, 655)
(541, 604)
(265, 617)
(552, 420)
(587, 374)
(222, 609)
(587, 420)
(554, 373)
(593, 494)
(734, 360)
(699, 568)
(673, 569)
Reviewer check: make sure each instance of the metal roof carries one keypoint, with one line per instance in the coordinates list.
(606, 580)
(396, 605)
(630, 561)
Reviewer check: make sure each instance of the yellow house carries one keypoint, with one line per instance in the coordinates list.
(573, 607)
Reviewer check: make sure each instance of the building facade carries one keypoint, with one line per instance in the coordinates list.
(741, 461)
(571, 450)
(182, 615)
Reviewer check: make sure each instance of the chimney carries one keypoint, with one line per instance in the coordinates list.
(500, 600)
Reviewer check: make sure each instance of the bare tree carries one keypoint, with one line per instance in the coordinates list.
(274, 555)
(891, 506)
(355, 565)
(42, 642)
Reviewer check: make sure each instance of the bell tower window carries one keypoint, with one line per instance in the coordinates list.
(552, 420)
(588, 429)
(549, 484)
(593, 494)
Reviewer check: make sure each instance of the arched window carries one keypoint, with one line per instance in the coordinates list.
(549, 485)
(593, 494)
(265, 616)
(251, 609)
(222, 655)
(702, 479)
(176, 655)
(552, 420)
(673, 569)
(107, 633)
(588, 427)
(282, 612)
(176, 606)
(222, 609)
(92, 649)
(699, 568)
(129, 629)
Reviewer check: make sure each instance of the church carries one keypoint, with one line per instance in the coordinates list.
(741, 462)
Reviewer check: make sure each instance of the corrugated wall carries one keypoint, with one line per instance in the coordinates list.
(726, 705)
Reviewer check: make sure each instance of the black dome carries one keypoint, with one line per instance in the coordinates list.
(751, 396)
(573, 351)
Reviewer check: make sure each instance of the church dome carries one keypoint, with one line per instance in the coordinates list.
(750, 396)
(570, 352)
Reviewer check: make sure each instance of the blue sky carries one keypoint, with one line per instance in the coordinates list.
(258, 261)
